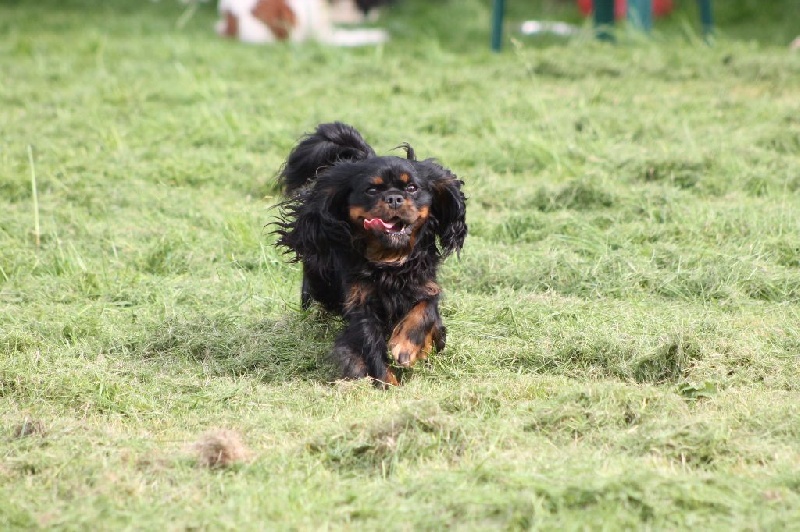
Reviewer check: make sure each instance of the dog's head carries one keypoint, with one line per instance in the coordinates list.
(393, 201)
(384, 208)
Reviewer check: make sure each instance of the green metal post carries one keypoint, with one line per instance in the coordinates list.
(498, 11)
(604, 19)
(640, 14)
(706, 17)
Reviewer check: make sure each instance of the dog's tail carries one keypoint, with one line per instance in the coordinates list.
(328, 145)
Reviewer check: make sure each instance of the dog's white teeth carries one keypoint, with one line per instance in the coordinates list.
(396, 229)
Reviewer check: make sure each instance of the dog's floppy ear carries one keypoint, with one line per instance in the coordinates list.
(278, 16)
(312, 224)
(448, 206)
(328, 145)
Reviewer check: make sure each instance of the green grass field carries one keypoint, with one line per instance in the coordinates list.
(624, 321)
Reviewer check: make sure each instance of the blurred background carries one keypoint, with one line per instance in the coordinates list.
(464, 24)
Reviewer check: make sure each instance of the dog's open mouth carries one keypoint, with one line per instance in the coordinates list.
(395, 226)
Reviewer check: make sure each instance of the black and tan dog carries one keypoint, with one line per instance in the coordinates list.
(370, 232)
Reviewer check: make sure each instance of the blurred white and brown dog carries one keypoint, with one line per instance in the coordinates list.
(267, 21)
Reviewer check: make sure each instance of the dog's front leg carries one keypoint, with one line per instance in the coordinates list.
(360, 350)
(417, 333)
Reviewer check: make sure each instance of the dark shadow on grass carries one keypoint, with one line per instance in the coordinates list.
(378, 446)
(669, 363)
(577, 195)
(579, 356)
(281, 350)
(670, 360)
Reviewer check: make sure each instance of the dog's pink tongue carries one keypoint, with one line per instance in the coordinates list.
(375, 223)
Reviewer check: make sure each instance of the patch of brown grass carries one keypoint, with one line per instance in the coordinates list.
(220, 448)
(29, 427)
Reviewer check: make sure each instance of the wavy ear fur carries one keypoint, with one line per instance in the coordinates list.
(328, 145)
(448, 208)
(312, 226)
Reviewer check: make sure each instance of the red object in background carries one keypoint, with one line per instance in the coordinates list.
(660, 8)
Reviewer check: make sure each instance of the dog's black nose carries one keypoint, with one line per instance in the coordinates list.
(394, 200)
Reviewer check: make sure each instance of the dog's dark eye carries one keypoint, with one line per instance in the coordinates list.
(371, 191)
(411, 188)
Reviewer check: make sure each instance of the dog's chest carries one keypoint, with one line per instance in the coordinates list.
(396, 295)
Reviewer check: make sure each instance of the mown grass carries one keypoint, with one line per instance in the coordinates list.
(622, 324)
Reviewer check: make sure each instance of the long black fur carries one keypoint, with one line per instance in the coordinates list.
(367, 5)
(320, 150)
(321, 177)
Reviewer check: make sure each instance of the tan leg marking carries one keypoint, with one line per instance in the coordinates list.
(410, 341)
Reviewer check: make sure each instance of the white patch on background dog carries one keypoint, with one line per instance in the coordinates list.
(267, 21)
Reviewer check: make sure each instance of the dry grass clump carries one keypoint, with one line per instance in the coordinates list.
(220, 448)
(29, 427)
